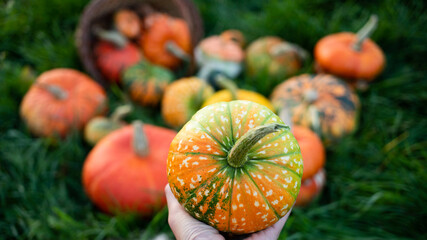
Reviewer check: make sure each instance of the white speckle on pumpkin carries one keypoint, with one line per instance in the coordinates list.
(195, 163)
(285, 150)
(241, 205)
(243, 219)
(285, 185)
(206, 192)
(255, 193)
(267, 178)
(203, 158)
(180, 180)
(276, 176)
(256, 203)
(192, 186)
(269, 193)
(275, 202)
(233, 220)
(195, 147)
(212, 170)
(234, 207)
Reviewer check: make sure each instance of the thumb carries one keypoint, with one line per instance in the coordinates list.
(183, 225)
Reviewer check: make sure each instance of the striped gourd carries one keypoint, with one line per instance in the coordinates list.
(235, 166)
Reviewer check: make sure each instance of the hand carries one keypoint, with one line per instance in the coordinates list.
(185, 227)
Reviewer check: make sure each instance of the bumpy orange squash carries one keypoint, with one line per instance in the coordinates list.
(62, 100)
(321, 102)
(235, 166)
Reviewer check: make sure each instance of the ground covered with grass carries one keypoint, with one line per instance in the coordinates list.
(376, 178)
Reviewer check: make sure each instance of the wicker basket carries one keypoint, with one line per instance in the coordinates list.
(100, 12)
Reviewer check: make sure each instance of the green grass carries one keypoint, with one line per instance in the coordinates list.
(376, 178)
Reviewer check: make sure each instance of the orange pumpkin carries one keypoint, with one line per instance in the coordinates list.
(235, 166)
(270, 60)
(146, 82)
(61, 100)
(321, 102)
(351, 56)
(312, 150)
(126, 171)
(311, 188)
(127, 22)
(182, 99)
(165, 41)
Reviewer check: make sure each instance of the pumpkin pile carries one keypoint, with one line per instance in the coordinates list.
(234, 164)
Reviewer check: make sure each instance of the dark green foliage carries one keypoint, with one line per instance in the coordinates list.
(376, 179)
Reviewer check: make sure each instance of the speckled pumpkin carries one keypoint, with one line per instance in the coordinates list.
(146, 82)
(235, 166)
(62, 100)
(272, 59)
(182, 99)
(321, 102)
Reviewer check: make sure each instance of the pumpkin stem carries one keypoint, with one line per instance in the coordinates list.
(177, 51)
(114, 37)
(238, 154)
(120, 113)
(227, 84)
(140, 142)
(56, 91)
(365, 32)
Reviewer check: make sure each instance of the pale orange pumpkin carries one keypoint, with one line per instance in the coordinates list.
(62, 100)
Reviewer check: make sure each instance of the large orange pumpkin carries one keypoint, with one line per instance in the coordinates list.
(126, 172)
(321, 102)
(61, 100)
(235, 166)
(165, 40)
(351, 56)
(182, 99)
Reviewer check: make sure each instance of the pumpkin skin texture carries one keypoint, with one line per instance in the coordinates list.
(48, 115)
(159, 29)
(146, 82)
(112, 60)
(272, 59)
(226, 96)
(118, 180)
(182, 99)
(312, 150)
(336, 54)
(321, 102)
(241, 199)
(311, 188)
